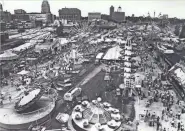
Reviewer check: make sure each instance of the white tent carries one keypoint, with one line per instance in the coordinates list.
(63, 41)
(108, 40)
(23, 72)
(99, 55)
(8, 55)
(113, 53)
(23, 47)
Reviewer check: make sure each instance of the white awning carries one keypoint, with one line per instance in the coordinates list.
(8, 55)
(99, 55)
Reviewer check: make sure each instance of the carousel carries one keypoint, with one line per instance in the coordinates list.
(95, 116)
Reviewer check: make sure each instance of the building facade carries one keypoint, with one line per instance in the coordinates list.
(70, 14)
(94, 16)
(118, 16)
(20, 17)
(19, 11)
(40, 18)
(45, 7)
(5, 16)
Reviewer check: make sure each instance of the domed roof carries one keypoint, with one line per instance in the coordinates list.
(95, 113)
(45, 8)
(44, 1)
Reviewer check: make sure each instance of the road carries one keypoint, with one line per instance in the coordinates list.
(90, 89)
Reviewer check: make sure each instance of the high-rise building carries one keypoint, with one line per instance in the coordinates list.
(111, 11)
(118, 16)
(1, 7)
(70, 14)
(1, 11)
(45, 8)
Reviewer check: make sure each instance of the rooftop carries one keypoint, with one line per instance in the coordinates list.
(69, 10)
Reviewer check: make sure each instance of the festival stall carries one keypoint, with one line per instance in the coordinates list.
(8, 55)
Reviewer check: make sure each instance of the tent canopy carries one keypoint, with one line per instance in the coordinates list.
(8, 55)
(23, 72)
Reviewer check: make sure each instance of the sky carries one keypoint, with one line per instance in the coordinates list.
(174, 8)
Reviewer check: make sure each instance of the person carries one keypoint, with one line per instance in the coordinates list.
(158, 118)
(158, 125)
(173, 123)
(178, 126)
(179, 115)
(10, 98)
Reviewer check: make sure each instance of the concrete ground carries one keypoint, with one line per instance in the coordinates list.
(157, 107)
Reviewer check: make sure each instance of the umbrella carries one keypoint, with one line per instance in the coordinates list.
(94, 101)
(64, 117)
(122, 86)
(78, 115)
(78, 108)
(112, 123)
(106, 104)
(116, 117)
(23, 72)
(85, 102)
(98, 125)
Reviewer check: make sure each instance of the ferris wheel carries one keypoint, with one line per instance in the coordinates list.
(83, 26)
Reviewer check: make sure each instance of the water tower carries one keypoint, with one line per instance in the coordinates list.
(119, 9)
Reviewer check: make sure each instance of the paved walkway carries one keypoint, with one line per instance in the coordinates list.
(157, 107)
(91, 75)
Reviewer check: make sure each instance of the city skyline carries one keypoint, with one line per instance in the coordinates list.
(139, 8)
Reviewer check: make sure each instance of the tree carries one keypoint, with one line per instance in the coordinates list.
(177, 30)
(182, 33)
(59, 30)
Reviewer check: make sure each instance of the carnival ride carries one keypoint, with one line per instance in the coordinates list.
(95, 116)
(28, 99)
(27, 107)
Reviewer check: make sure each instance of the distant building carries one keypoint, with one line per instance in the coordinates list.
(165, 16)
(45, 7)
(105, 17)
(40, 18)
(94, 16)
(19, 11)
(1, 7)
(182, 32)
(70, 14)
(2, 26)
(20, 17)
(25, 25)
(118, 16)
(7, 17)
(111, 11)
